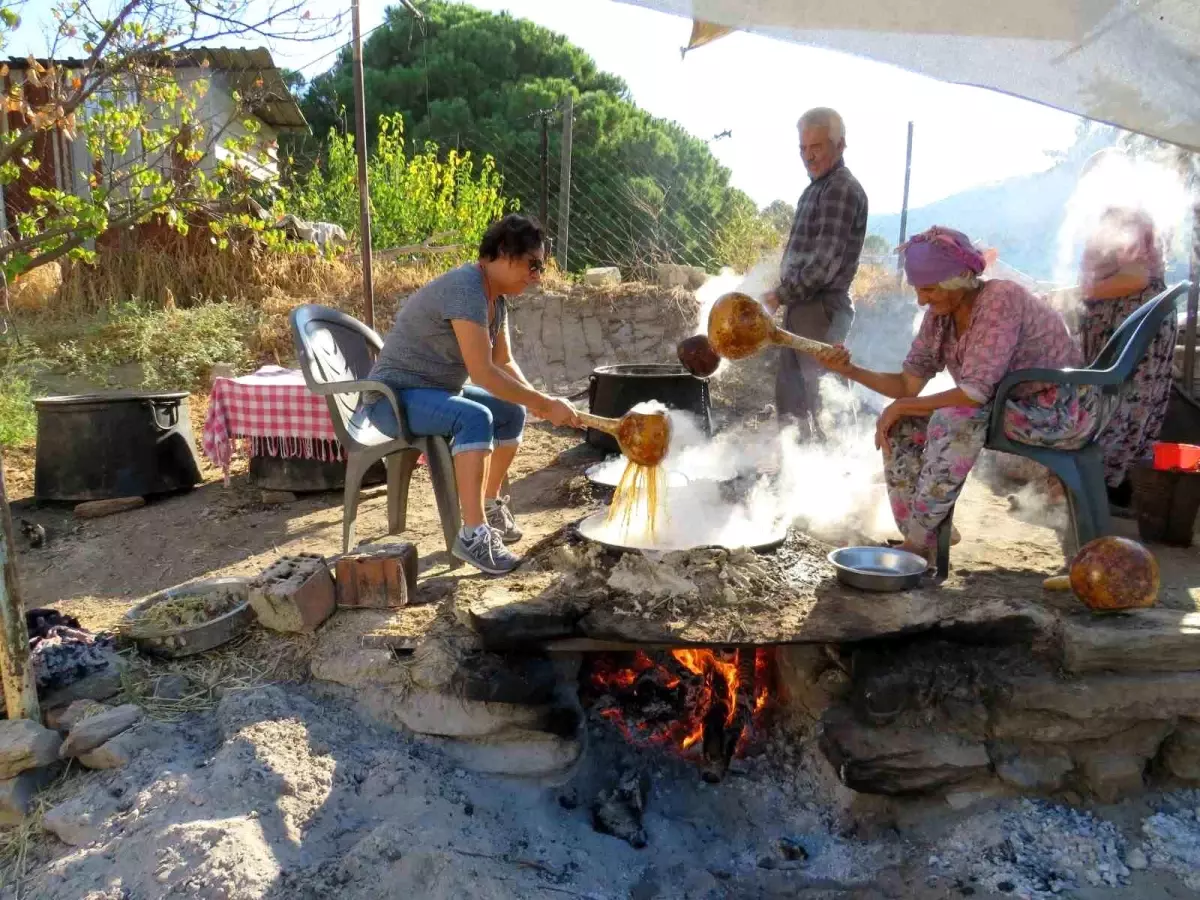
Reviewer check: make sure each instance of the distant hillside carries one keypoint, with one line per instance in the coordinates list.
(1020, 217)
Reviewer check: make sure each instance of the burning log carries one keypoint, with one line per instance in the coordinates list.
(723, 726)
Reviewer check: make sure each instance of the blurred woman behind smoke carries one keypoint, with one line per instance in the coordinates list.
(1121, 269)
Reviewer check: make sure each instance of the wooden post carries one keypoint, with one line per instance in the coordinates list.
(564, 190)
(1193, 301)
(364, 195)
(544, 199)
(907, 179)
(16, 671)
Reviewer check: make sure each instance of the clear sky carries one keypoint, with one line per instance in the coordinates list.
(757, 88)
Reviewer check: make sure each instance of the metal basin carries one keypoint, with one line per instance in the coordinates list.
(878, 568)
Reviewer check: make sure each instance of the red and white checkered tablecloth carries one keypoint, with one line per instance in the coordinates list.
(272, 409)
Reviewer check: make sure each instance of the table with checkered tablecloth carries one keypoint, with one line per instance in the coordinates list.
(275, 412)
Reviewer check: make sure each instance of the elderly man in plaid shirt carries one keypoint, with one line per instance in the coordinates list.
(818, 264)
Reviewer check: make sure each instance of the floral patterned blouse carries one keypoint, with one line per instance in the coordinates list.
(1010, 329)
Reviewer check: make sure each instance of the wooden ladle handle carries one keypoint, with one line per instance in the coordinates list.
(796, 342)
(600, 423)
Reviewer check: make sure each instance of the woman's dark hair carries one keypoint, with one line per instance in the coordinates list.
(513, 236)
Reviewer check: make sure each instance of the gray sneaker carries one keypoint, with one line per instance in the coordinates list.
(499, 516)
(486, 552)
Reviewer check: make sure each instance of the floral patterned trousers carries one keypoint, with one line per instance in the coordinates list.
(1139, 416)
(930, 458)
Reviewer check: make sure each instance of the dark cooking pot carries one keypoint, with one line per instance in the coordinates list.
(102, 446)
(614, 390)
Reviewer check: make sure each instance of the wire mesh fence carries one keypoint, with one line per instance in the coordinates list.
(630, 205)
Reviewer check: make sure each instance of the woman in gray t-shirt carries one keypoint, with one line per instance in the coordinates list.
(452, 329)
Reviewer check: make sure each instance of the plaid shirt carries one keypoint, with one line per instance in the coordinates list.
(827, 237)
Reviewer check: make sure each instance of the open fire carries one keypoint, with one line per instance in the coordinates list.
(705, 705)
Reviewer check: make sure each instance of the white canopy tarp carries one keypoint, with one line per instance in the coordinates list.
(1130, 63)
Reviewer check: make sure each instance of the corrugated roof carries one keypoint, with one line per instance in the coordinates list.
(270, 100)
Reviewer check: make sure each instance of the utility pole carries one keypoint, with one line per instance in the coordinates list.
(564, 190)
(16, 670)
(544, 199)
(364, 195)
(907, 178)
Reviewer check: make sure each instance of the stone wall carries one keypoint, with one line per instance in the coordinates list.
(560, 336)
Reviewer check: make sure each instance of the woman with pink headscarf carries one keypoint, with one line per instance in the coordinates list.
(979, 330)
(1122, 268)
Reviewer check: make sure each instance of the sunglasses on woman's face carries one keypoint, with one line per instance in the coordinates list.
(537, 266)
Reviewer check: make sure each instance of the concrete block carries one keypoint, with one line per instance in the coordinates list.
(294, 594)
(378, 576)
(602, 276)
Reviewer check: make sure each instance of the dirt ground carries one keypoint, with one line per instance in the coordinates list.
(287, 791)
(97, 569)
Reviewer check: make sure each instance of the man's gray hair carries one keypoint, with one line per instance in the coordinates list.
(824, 117)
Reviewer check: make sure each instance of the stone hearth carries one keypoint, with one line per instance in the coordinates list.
(969, 687)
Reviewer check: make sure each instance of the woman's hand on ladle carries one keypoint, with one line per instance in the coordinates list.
(560, 413)
(836, 359)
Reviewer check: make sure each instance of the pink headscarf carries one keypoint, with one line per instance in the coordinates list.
(938, 255)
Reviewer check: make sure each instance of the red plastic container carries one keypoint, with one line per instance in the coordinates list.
(1176, 457)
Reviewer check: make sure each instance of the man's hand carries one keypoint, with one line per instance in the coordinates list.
(559, 413)
(836, 359)
(771, 301)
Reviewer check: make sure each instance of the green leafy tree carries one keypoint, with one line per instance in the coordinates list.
(876, 245)
(644, 190)
(413, 197)
(141, 119)
(779, 214)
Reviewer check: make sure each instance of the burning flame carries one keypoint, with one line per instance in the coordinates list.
(669, 703)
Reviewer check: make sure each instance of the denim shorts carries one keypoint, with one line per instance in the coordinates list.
(473, 419)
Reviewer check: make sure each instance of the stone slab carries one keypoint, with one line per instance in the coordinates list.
(92, 731)
(64, 718)
(119, 751)
(99, 685)
(1146, 640)
(398, 629)
(1137, 697)
(1181, 752)
(25, 744)
(793, 598)
(17, 794)
(897, 761)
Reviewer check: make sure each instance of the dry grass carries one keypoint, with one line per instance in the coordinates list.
(259, 657)
(20, 844)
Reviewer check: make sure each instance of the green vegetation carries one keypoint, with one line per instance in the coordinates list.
(17, 420)
(412, 197)
(645, 191)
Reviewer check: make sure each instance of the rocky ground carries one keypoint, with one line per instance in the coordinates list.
(290, 792)
(268, 785)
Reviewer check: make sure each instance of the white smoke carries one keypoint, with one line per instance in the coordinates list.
(1113, 179)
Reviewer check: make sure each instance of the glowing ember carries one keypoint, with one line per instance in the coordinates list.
(699, 703)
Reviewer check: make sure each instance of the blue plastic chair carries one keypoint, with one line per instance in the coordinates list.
(336, 354)
(1081, 470)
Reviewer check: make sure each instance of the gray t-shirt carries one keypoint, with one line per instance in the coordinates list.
(421, 350)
